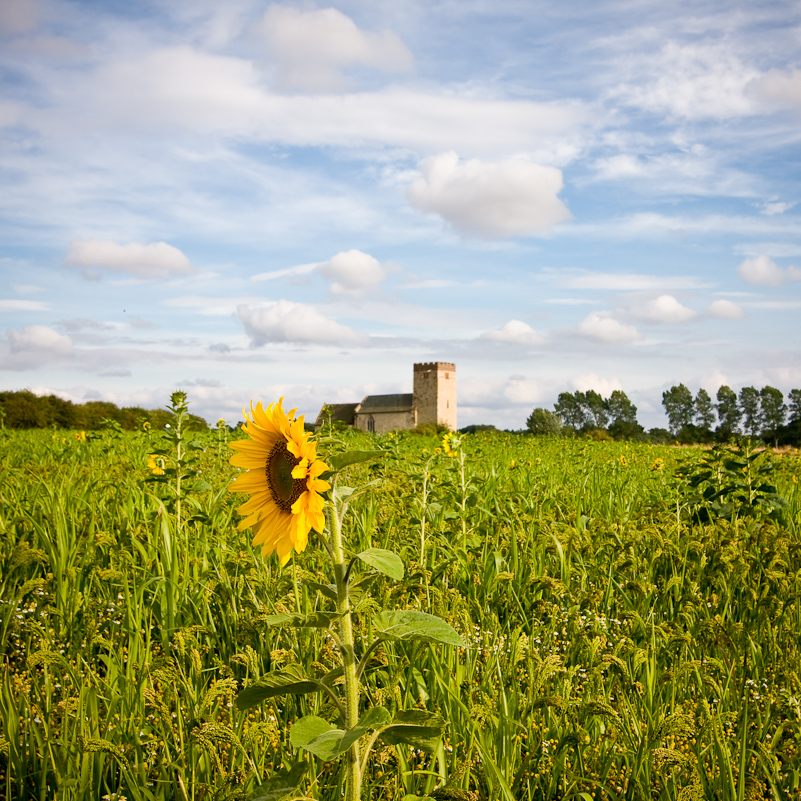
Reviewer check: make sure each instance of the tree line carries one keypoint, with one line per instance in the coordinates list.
(756, 413)
(759, 414)
(23, 409)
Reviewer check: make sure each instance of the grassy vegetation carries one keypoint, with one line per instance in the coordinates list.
(633, 633)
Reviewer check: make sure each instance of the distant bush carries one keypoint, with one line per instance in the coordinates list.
(23, 409)
(476, 428)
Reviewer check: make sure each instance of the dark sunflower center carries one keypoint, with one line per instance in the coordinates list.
(284, 489)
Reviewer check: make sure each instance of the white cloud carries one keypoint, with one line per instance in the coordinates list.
(353, 272)
(627, 282)
(23, 305)
(602, 326)
(38, 341)
(311, 47)
(490, 199)
(185, 89)
(776, 207)
(694, 81)
(285, 321)
(588, 381)
(778, 88)
(763, 271)
(726, 310)
(287, 272)
(520, 389)
(664, 309)
(154, 260)
(515, 332)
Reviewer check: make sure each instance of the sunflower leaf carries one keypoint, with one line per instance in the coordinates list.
(385, 562)
(416, 727)
(329, 590)
(374, 718)
(407, 625)
(316, 620)
(289, 681)
(339, 461)
(280, 785)
(317, 736)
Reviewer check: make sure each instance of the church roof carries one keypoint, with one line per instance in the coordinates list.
(378, 404)
(340, 413)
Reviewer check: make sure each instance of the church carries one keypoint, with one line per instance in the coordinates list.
(432, 401)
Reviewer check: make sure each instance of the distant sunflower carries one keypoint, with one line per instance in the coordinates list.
(283, 477)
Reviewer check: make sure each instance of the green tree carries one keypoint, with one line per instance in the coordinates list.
(679, 407)
(729, 413)
(596, 408)
(542, 421)
(620, 408)
(750, 406)
(704, 410)
(570, 409)
(773, 412)
(794, 396)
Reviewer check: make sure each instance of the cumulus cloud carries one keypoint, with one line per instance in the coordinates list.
(489, 199)
(602, 326)
(588, 381)
(33, 346)
(664, 309)
(154, 260)
(285, 321)
(763, 271)
(515, 332)
(352, 272)
(310, 48)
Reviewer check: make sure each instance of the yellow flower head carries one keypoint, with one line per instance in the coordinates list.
(623, 460)
(80, 436)
(658, 464)
(146, 425)
(283, 479)
(155, 466)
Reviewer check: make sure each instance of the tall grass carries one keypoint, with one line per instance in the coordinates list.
(619, 646)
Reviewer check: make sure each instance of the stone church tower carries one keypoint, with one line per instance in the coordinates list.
(434, 393)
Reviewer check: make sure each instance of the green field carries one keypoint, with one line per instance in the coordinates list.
(631, 632)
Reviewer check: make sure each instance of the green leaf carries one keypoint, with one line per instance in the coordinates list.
(417, 727)
(385, 562)
(289, 681)
(280, 785)
(201, 485)
(410, 625)
(373, 718)
(317, 736)
(339, 461)
(316, 620)
(329, 590)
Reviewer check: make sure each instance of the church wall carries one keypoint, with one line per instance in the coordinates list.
(384, 422)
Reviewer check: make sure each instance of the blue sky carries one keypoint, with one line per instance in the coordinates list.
(248, 200)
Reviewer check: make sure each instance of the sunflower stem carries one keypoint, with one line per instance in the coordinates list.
(353, 767)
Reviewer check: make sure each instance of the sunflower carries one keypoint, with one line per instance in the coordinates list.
(283, 478)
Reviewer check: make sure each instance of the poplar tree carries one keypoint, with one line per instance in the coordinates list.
(794, 396)
(750, 405)
(704, 410)
(729, 413)
(679, 407)
(773, 412)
